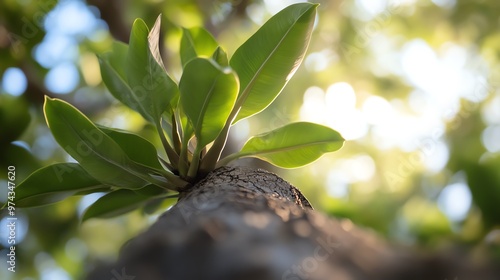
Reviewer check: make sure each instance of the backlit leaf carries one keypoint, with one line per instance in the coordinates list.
(293, 145)
(268, 59)
(196, 42)
(208, 93)
(220, 56)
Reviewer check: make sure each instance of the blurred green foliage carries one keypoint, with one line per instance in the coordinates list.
(413, 85)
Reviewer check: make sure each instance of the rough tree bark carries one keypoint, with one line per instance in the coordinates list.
(250, 224)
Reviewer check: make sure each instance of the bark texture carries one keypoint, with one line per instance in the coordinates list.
(250, 224)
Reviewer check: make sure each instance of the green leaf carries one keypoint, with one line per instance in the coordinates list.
(152, 88)
(96, 152)
(103, 189)
(113, 65)
(220, 56)
(137, 148)
(186, 127)
(117, 58)
(54, 183)
(291, 146)
(118, 87)
(268, 59)
(120, 202)
(208, 93)
(196, 42)
(187, 134)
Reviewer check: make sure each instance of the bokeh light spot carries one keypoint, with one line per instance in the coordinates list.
(62, 79)
(455, 201)
(14, 81)
(491, 138)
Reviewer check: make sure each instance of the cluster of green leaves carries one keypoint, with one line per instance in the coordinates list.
(192, 117)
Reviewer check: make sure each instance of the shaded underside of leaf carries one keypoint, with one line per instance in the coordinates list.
(137, 148)
(96, 152)
(119, 88)
(54, 183)
(120, 202)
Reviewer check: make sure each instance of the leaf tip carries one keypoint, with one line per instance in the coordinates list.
(48, 98)
(84, 218)
(139, 24)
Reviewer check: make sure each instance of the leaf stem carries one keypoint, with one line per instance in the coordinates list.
(183, 159)
(187, 133)
(173, 157)
(193, 168)
(228, 159)
(166, 164)
(210, 160)
(176, 138)
(159, 177)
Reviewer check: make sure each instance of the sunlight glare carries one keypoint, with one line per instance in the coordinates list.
(313, 108)
(342, 115)
(340, 97)
(319, 61)
(359, 168)
(256, 13)
(419, 62)
(350, 124)
(337, 184)
(336, 109)
(377, 110)
(490, 112)
(372, 7)
(436, 158)
(241, 130)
